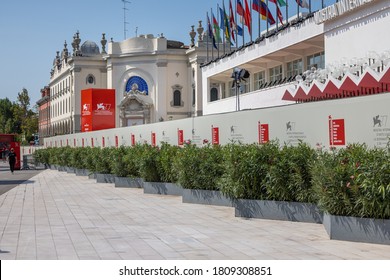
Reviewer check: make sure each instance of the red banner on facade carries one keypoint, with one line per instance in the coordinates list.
(263, 133)
(215, 135)
(132, 139)
(153, 139)
(116, 141)
(180, 137)
(336, 132)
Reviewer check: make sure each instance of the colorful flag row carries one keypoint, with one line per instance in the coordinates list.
(230, 30)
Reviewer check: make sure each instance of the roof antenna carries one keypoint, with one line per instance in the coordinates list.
(124, 17)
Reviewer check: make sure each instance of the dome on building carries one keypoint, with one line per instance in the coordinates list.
(89, 48)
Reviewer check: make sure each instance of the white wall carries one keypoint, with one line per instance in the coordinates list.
(309, 123)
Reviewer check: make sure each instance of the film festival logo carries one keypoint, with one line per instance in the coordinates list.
(103, 107)
(86, 107)
(379, 121)
(290, 126)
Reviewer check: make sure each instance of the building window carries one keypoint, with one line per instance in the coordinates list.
(294, 68)
(177, 98)
(276, 73)
(259, 79)
(316, 60)
(213, 94)
(90, 79)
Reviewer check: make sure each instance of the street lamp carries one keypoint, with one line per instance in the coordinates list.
(239, 75)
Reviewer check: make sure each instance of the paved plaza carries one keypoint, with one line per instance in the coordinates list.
(56, 215)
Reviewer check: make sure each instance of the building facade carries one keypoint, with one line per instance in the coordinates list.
(44, 126)
(155, 79)
(307, 51)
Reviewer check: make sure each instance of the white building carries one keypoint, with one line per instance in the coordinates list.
(155, 79)
(345, 34)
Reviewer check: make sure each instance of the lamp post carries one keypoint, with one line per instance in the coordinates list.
(238, 76)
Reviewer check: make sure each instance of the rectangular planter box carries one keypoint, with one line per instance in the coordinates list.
(162, 188)
(357, 229)
(92, 175)
(69, 169)
(53, 167)
(127, 182)
(207, 197)
(61, 168)
(105, 178)
(278, 210)
(81, 172)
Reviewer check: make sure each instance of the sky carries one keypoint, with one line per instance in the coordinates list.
(31, 31)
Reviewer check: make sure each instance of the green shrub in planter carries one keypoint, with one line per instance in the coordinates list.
(64, 155)
(76, 158)
(103, 160)
(289, 177)
(148, 163)
(42, 156)
(246, 169)
(165, 166)
(354, 181)
(199, 168)
(90, 155)
(131, 161)
(118, 165)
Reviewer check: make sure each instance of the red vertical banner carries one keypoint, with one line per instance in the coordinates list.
(82, 143)
(61, 143)
(92, 142)
(263, 133)
(132, 139)
(74, 142)
(116, 141)
(153, 139)
(103, 142)
(336, 132)
(215, 135)
(180, 137)
(67, 142)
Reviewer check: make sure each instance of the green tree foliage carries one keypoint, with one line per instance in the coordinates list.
(18, 117)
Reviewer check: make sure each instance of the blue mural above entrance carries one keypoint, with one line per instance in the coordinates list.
(136, 83)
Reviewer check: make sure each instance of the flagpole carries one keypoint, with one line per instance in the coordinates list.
(267, 18)
(207, 42)
(286, 12)
(309, 6)
(277, 15)
(250, 8)
(297, 10)
(259, 19)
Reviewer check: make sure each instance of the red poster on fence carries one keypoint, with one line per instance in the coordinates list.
(67, 142)
(263, 133)
(132, 139)
(215, 135)
(180, 137)
(103, 142)
(92, 142)
(153, 139)
(74, 142)
(116, 141)
(336, 132)
(82, 143)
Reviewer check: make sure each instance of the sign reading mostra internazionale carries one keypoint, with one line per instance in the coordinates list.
(338, 9)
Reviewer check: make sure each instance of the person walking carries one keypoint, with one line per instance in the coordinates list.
(12, 160)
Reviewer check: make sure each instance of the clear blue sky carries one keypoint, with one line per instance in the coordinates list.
(31, 31)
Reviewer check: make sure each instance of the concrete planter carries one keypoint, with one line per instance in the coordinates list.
(278, 210)
(81, 172)
(127, 182)
(105, 178)
(357, 229)
(70, 169)
(92, 175)
(53, 167)
(207, 197)
(162, 188)
(61, 168)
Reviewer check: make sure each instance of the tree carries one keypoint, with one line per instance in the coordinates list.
(5, 114)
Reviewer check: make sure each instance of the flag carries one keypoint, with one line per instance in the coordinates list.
(281, 3)
(210, 31)
(240, 8)
(248, 17)
(227, 29)
(303, 3)
(217, 30)
(277, 3)
(233, 27)
(261, 8)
